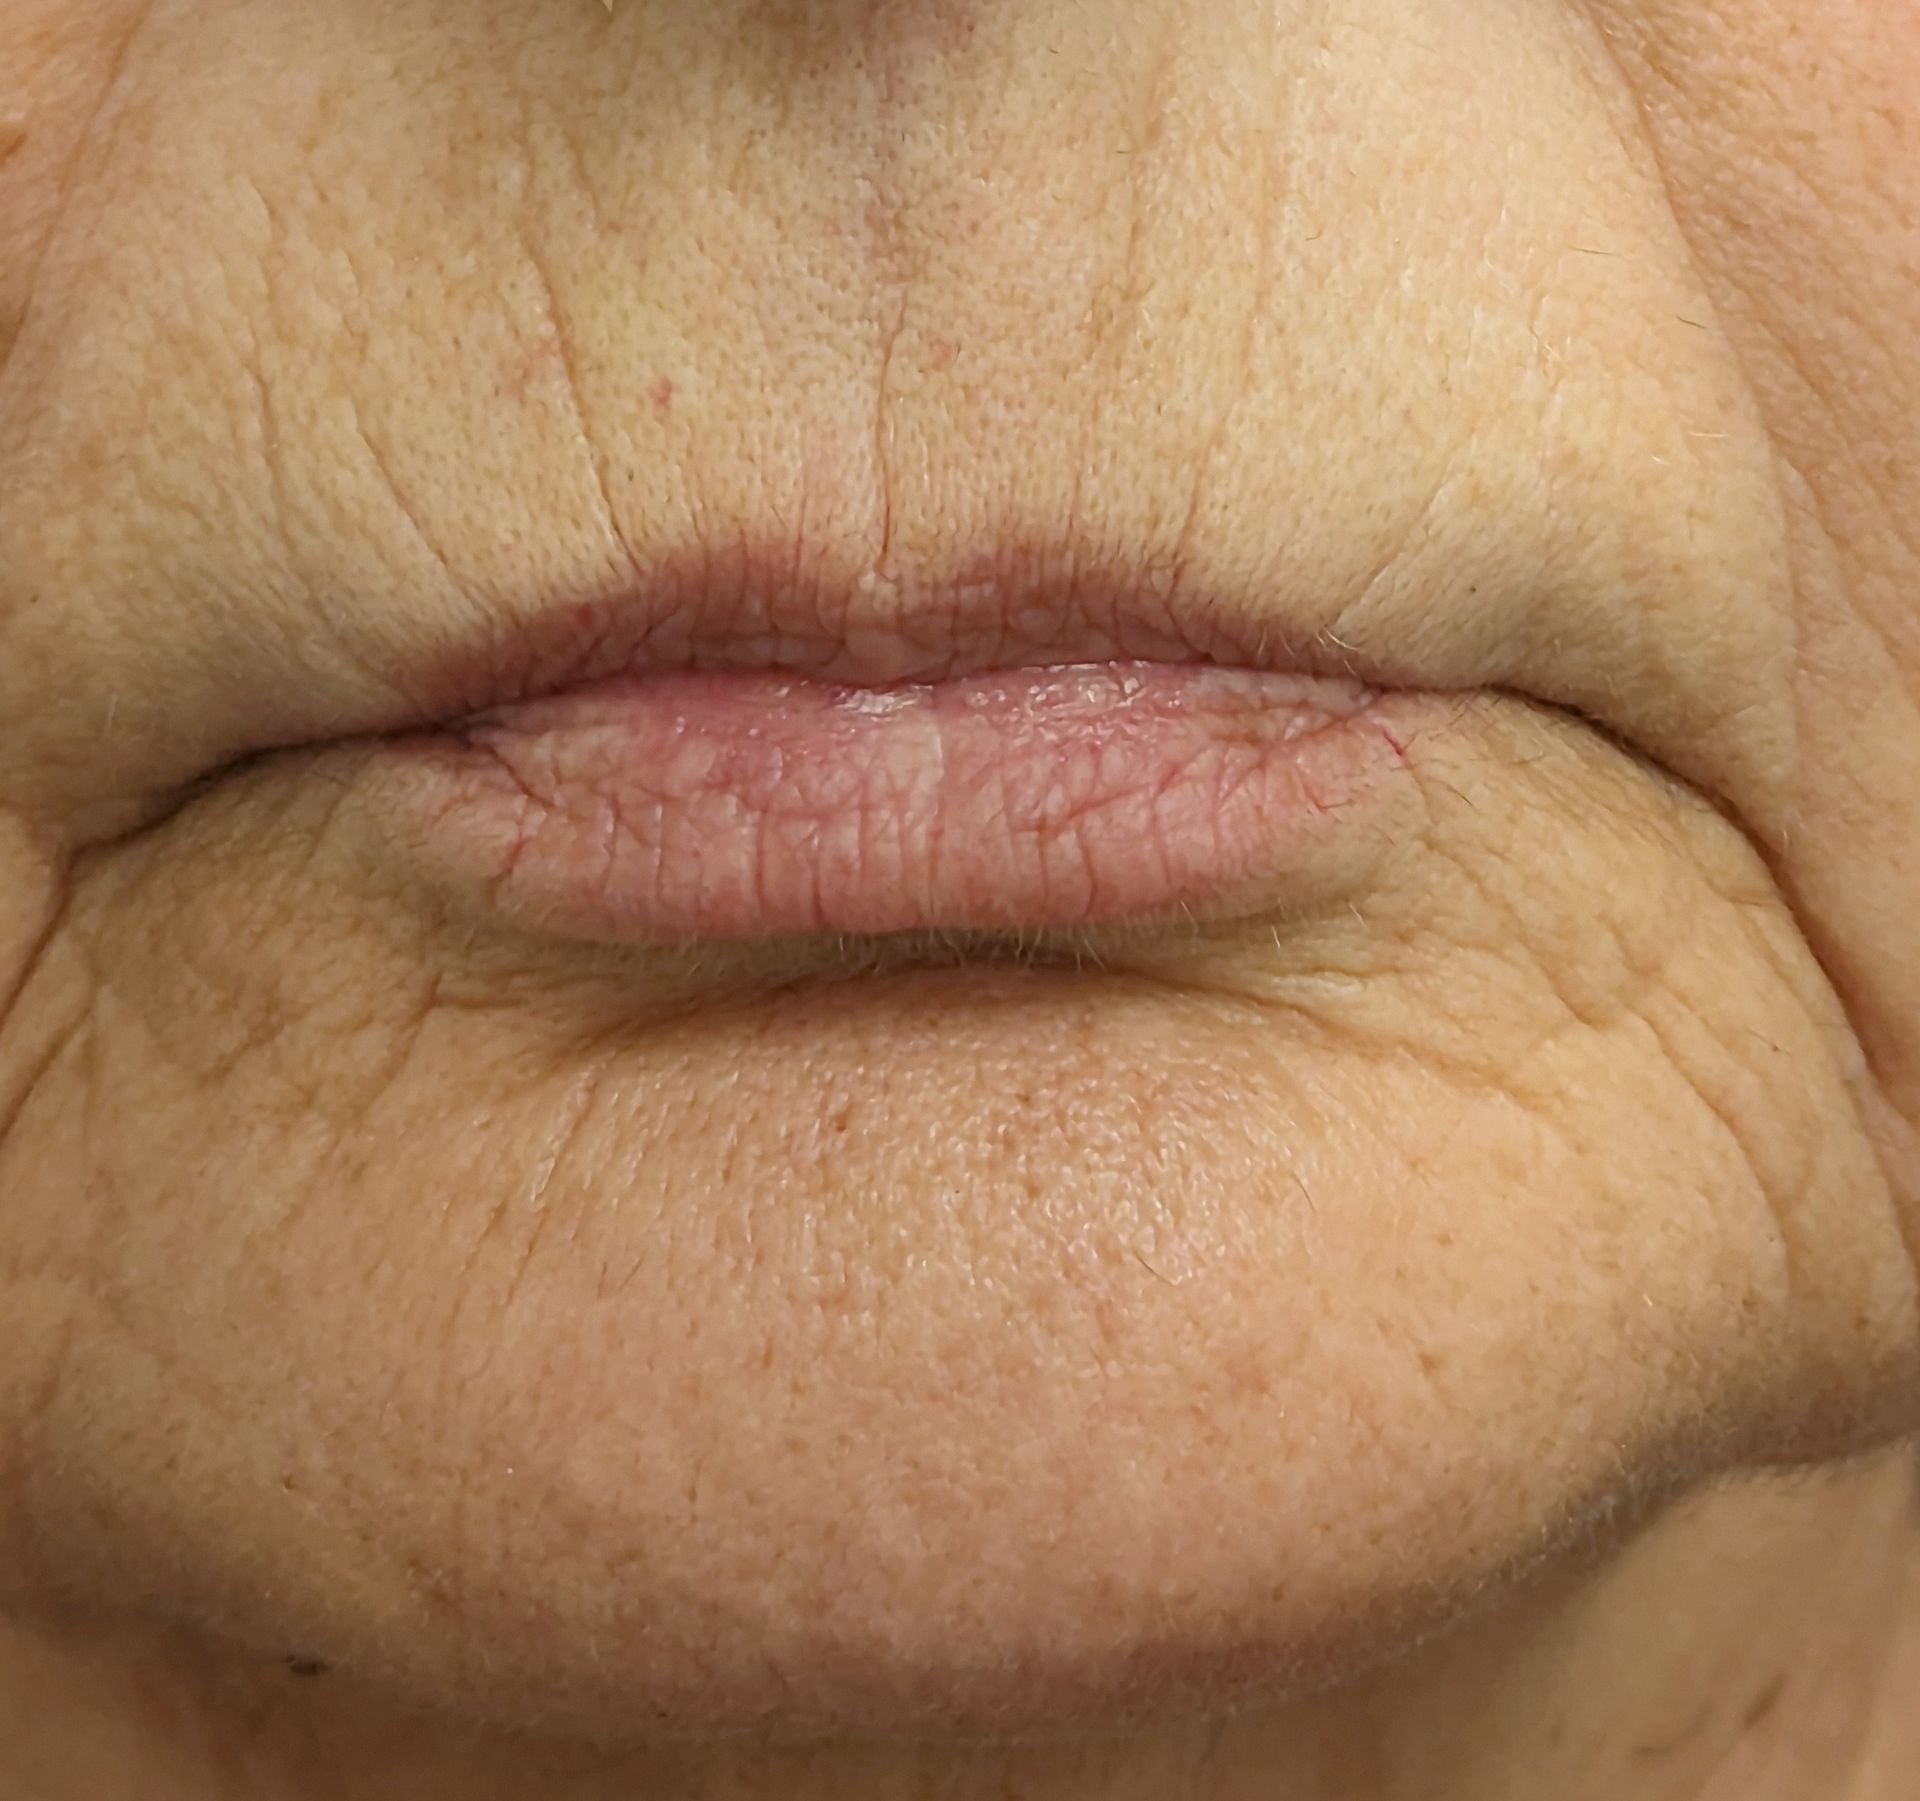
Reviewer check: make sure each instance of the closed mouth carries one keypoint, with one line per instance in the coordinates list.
(691, 764)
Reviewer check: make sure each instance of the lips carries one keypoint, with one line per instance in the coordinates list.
(667, 771)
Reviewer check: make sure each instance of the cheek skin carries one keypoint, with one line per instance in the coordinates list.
(786, 1342)
(57, 58)
(1787, 139)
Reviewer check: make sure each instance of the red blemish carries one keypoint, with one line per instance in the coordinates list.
(941, 352)
(663, 397)
(520, 368)
(1387, 733)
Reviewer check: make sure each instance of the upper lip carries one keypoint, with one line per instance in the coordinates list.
(871, 630)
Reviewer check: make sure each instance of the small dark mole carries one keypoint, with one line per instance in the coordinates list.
(305, 1666)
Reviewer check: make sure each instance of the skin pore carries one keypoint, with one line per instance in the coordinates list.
(1452, 1333)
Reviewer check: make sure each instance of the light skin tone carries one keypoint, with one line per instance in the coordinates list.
(1454, 1332)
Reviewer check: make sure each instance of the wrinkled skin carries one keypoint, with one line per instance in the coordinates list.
(838, 1339)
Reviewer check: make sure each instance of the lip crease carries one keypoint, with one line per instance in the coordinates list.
(703, 760)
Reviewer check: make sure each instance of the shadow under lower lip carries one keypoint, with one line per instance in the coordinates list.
(682, 806)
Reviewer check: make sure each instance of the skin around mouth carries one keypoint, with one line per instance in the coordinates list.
(505, 1195)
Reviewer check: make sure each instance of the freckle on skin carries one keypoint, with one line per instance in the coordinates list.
(13, 133)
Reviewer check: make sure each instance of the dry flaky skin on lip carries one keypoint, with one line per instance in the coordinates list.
(679, 805)
(849, 1333)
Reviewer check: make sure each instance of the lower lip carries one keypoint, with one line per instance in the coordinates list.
(706, 804)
